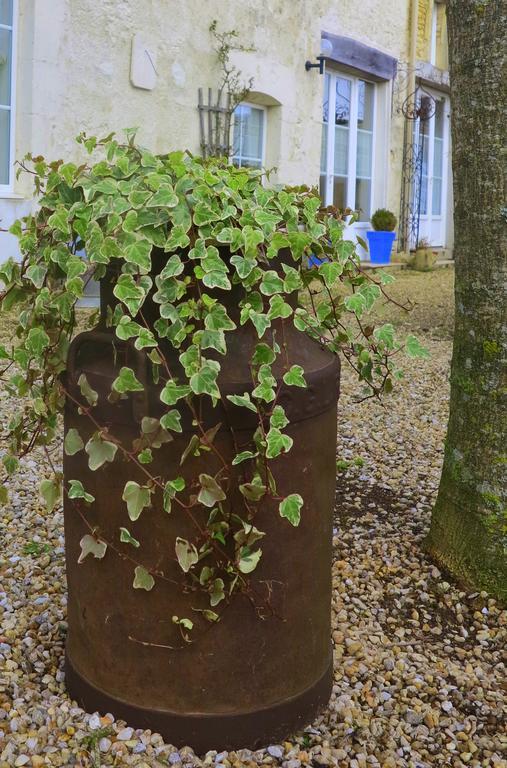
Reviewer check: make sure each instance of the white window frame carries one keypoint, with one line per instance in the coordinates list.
(7, 189)
(264, 111)
(350, 196)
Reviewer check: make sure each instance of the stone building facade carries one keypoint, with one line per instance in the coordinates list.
(73, 65)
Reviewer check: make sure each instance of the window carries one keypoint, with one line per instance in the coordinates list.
(346, 170)
(7, 78)
(249, 136)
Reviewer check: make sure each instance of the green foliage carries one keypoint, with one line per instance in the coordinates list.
(383, 220)
(179, 233)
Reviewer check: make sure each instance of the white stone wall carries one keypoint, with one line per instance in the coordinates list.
(74, 74)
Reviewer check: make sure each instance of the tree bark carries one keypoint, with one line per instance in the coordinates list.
(468, 534)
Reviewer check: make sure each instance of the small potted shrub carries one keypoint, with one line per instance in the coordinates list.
(382, 237)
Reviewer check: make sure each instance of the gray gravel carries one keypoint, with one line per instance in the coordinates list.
(419, 674)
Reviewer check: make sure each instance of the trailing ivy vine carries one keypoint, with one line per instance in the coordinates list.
(218, 229)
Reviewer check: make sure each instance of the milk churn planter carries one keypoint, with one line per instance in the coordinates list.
(198, 551)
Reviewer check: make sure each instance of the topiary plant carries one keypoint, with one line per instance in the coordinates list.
(213, 229)
(384, 220)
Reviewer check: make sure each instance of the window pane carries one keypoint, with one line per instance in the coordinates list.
(5, 66)
(436, 204)
(341, 150)
(363, 193)
(363, 161)
(342, 109)
(248, 136)
(424, 196)
(339, 191)
(438, 157)
(365, 105)
(5, 119)
(6, 12)
(439, 119)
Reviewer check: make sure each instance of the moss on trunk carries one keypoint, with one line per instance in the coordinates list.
(468, 532)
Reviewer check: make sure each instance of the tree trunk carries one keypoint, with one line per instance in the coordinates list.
(468, 534)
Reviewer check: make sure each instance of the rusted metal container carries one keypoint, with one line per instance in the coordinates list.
(250, 679)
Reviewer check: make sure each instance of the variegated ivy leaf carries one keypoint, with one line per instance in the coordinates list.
(277, 443)
(37, 341)
(355, 303)
(73, 442)
(263, 354)
(212, 340)
(127, 381)
(186, 553)
(99, 451)
(192, 449)
(279, 308)
(206, 574)
(248, 560)
(127, 538)
(290, 508)
(243, 456)
(37, 274)
(11, 463)
(247, 535)
(210, 492)
(260, 321)
(330, 271)
(127, 328)
(88, 393)
(204, 382)
(92, 546)
(50, 491)
(385, 334)
(242, 401)
(132, 293)
(171, 420)
(267, 382)
(154, 433)
(171, 488)
(137, 497)
(185, 623)
(414, 348)
(217, 319)
(77, 491)
(278, 418)
(253, 491)
(145, 456)
(271, 283)
(173, 392)
(294, 377)
(143, 579)
(217, 593)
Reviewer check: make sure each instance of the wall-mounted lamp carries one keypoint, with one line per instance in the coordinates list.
(326, 47)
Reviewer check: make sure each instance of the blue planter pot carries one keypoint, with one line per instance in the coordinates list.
(380, 245)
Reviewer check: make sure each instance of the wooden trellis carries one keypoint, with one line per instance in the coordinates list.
(215, 124)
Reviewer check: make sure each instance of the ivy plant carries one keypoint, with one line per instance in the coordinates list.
(219, 229)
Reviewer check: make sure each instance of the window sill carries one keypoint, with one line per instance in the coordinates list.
(11, 196)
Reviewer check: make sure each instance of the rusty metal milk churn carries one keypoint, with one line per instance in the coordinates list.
(256, 676)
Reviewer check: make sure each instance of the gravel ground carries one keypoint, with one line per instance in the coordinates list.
(419, 678)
